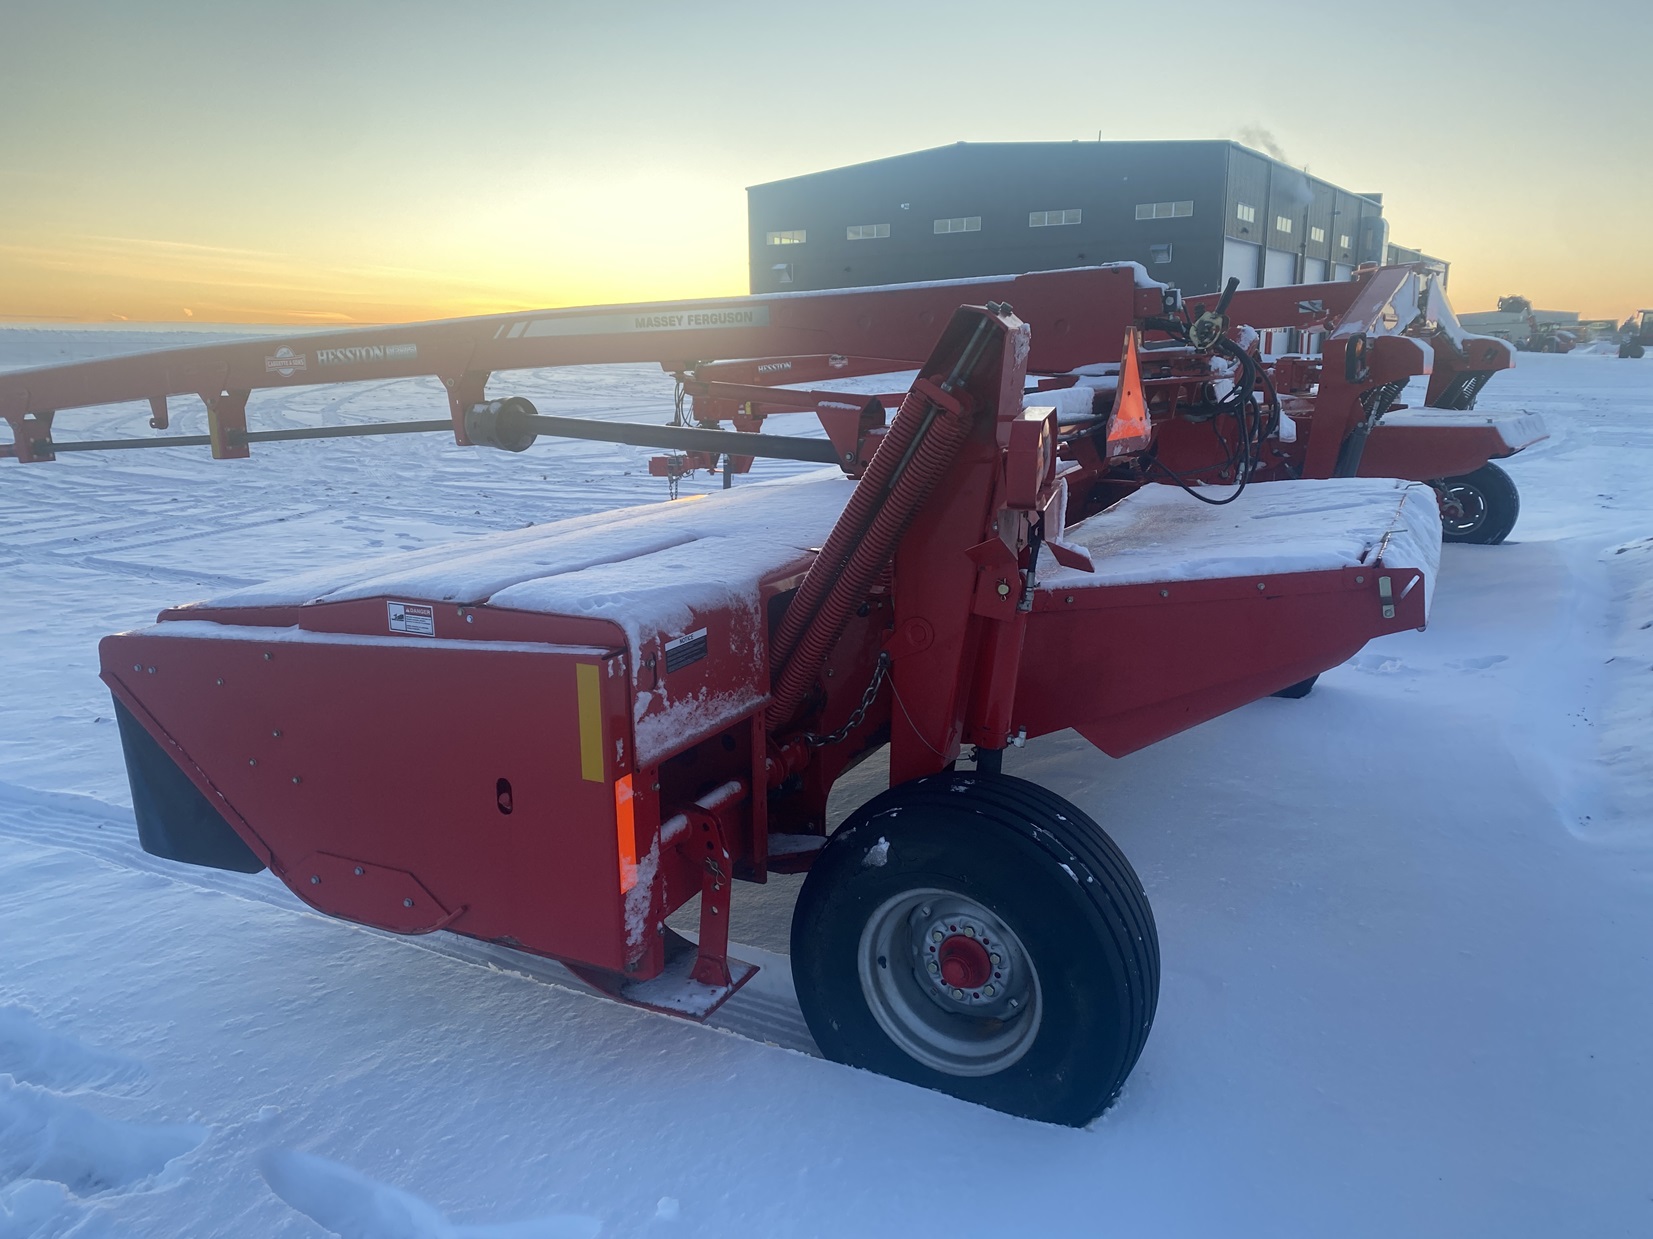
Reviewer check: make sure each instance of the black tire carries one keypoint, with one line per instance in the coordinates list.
(1632, 350)
(992, 860)
(1480, 507)
(1297, 691)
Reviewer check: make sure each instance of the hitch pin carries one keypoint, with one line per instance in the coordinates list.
(1386, 595)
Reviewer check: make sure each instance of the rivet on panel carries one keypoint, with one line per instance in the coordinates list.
(407, 903)
(297, 779)
(267, 656)
(315, 879)
(358, 871)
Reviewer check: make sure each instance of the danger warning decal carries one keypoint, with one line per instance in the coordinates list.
(412, 619)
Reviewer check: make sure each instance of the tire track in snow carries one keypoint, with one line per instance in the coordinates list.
(765, 1010)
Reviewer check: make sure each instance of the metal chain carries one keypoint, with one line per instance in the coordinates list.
(879, 671)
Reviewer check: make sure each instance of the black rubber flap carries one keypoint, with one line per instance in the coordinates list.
(174, 819)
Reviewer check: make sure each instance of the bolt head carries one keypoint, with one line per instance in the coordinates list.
(407, 903)
(934, 967)
(988, 991)
(252, 761)
(315, 879)
(220, 683)
(957, 993)
(996, 960)
(936, 935)
(298, 779)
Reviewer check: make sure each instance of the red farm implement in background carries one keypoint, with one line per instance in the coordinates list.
(658, 701)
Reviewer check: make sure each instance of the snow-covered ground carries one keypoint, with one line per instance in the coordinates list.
(1407, 922)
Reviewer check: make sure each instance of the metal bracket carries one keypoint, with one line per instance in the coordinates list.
(1386, 594)
(711, 966)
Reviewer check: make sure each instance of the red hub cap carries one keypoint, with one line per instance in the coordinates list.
(964, 962)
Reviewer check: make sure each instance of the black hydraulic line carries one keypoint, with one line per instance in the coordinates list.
(689, 438)
(236, 438)
(722, 442)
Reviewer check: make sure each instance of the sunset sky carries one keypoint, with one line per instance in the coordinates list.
(395, 159)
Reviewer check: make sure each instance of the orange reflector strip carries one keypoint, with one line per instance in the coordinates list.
(1129, 429)
(625, 826)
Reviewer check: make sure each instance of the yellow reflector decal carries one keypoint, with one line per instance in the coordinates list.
(591, 721)
(625, 825)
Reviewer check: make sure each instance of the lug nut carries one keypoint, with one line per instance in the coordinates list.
(969, 931)
(934, 967)
(935, 935)
(958, 993)
(996, 960)
(988, 991)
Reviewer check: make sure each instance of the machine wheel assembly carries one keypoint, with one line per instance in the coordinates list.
(1479, 507)
(979, 935)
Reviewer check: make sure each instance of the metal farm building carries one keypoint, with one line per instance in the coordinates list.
(1192, 213)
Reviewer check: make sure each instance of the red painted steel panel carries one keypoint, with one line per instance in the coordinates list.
(388, 756)
(1157, 659)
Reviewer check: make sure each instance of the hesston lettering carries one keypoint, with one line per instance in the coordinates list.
(357, 353)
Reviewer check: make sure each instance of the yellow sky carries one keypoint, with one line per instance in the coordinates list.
(380, 161)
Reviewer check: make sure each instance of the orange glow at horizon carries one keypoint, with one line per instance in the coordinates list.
(401, 161)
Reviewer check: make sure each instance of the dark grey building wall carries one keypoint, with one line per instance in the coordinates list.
(1001, 184)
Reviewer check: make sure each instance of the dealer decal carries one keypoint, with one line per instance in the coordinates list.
(286, 363)
(412, 619)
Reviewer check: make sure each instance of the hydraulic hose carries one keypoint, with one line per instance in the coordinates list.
(917, 451)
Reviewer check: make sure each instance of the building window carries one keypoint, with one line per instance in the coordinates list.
(788, 236)
(866, 232)
(1317, 234)
(783, 272)
(1159, 253)
(1163, 210)
(1246, 212)
(1343, 240)
(1054, 219)
(959, 223)
(1282, 223)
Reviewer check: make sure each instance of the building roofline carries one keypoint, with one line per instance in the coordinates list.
(953, 146)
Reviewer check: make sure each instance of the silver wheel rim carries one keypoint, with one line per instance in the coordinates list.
(930, 994)
(1472, 509)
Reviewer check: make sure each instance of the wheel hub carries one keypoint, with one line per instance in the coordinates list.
(962, 961)
(949, 982)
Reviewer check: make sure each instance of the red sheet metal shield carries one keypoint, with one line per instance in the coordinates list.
(405, 783)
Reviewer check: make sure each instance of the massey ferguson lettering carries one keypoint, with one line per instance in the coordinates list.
(689, 320)
(664, 320)
(358, 353)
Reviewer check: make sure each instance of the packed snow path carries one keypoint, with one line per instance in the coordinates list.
(1406, 922)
